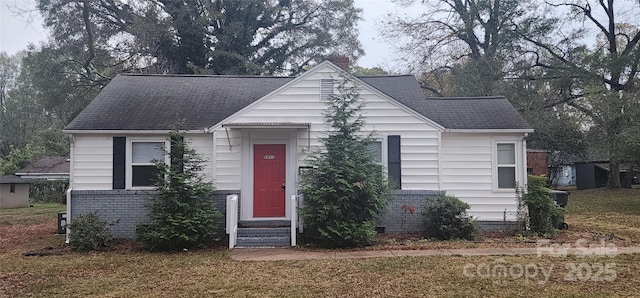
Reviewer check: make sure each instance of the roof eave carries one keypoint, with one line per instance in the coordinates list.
(126, 131)
(485, 130)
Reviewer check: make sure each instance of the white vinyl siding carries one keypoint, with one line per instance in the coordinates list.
(92, 158)
(301, 103)
(469, 172)
(92, 162)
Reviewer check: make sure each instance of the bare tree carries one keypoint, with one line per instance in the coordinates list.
(600, 80)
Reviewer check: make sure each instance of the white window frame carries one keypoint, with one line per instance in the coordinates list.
(383, 151)
(519, 165)
(129, 163)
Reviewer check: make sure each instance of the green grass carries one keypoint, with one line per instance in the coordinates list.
(39, 213)
(210, 273)
(624, 201)
(610, 212)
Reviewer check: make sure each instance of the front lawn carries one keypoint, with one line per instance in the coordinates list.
(612, 213)
(130, 273)
(213, 274)
(39, 213)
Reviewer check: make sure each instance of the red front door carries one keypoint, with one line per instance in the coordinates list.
(269, 166)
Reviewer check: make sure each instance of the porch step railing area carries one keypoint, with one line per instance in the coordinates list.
(294, 218)
(249, 236)
(232, 220)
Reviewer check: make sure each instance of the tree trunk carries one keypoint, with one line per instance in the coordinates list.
(614, 175)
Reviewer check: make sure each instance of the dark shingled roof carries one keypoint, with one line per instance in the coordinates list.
(452, 112)
(13, 179)
(156, 102)
(48, 165)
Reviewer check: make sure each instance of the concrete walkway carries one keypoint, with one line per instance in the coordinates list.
(284, 254)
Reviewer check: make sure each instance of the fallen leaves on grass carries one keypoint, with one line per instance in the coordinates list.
(15, 236)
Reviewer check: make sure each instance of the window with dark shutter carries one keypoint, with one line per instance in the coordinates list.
(393, 159)
(143, 158)
(119, 162)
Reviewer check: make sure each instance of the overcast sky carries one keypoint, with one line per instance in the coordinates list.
(16, 31)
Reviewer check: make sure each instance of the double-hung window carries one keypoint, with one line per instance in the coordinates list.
(387, 153)
(376, 148)
(142, 169)
(506, 165)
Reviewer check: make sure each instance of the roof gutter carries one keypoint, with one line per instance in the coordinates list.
(528, 130)
(124, 131)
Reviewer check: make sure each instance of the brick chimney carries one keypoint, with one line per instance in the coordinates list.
(341, 61)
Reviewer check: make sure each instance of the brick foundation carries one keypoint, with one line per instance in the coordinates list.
(128, 208)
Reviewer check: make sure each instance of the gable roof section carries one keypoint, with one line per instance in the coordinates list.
(157, 102)
(47, 165)
(452, 112)
(13, 180)
(474, 113)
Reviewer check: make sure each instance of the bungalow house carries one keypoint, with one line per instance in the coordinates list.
(257, 132)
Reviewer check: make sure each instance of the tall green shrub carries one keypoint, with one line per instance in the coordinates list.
(545, 216)
(445, 218)
(346, 190)
(182, 214)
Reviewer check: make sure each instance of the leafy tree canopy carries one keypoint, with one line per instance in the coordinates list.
(211, 37)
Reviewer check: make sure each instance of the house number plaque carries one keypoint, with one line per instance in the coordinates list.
(269, 156)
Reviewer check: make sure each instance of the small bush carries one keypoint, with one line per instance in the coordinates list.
(545, 216)
(445, 218)
(88, 232)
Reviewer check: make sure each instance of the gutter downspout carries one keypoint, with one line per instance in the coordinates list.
(71, 163)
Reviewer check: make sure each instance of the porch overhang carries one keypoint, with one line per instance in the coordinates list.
(267, 125)
(276, 125)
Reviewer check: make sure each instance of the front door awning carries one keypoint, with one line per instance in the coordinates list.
(268, 125)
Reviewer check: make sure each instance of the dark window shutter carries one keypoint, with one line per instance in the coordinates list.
(119, 157)
(393, 156)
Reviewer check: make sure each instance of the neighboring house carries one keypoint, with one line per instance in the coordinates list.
(595, 174)
(537, 163)
(257, 133)
(49, 168)
(14, 192)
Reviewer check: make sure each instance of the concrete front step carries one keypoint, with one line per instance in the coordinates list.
(264, 224)
(263, 237)
(264, 232)
(263, 241)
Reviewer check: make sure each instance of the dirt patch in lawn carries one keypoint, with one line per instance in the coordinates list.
(16, 236)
